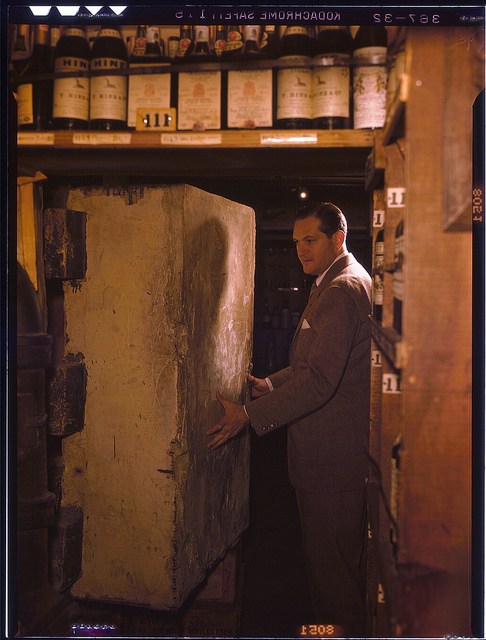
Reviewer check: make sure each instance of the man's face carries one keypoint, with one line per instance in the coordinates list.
(315, 250)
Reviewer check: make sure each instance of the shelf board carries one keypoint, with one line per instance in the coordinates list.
(339, 153)
(256, 139)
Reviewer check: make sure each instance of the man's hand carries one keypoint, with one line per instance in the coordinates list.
(233, 421)
(259, 386)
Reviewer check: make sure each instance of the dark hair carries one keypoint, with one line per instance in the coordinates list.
(331, 217)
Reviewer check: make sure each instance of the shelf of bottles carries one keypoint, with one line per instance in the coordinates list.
(189, 83)
(388, 206)
(387, 275)
(281, 293)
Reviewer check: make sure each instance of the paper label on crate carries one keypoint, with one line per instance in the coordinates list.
(191, 139)
(391, 383)
(199, 104)
(28, 138)
(249, 99)
(376, 360)
(378, 218)
(288, 138)
(395, 197)
(102, 138)
(147, 91)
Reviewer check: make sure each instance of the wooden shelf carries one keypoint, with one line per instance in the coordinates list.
(255, 138)
(394, 123)
(389, 342)
(375, 163)
(339, 153)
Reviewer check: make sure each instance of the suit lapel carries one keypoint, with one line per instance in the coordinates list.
(336, 268)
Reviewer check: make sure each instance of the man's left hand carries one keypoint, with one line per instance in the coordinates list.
(233, 421)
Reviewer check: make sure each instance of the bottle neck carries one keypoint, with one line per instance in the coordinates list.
(41, 35)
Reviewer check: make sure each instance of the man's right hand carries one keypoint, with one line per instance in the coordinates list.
(259, 386)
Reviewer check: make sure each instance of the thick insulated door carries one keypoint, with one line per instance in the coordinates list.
(162, 320)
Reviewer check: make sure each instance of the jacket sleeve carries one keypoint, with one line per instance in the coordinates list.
(320, 358)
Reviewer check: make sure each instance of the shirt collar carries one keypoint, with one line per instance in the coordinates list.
(320, 278)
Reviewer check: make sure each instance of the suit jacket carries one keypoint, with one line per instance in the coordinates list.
(323, 396)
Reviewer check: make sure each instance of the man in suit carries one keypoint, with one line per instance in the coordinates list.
(323, 400)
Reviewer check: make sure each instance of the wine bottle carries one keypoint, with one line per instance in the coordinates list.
(251, 48)
(369, 77)
(296, 41)
(185, 43)
(294, 80)
(398, 278)
(220, 40)
(140, 44)
(234, 44)
(331, 78)
(147, 90)
(378, 282)
(269, 42)
(172, 47)
(35, 96)
(201, 51)
(148, 48)
(70, 108)
(21, 51)
(108, 103)
(55, 34)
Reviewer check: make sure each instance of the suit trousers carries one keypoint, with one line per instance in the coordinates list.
(334, 530)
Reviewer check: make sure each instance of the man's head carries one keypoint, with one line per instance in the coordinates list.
(320, 236)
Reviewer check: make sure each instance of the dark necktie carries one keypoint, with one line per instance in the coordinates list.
(313, 289)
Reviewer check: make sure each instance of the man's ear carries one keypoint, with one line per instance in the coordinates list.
(338, 240)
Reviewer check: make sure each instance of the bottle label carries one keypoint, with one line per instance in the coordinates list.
(379, 254)
(371, 55)
(140, 46)
(74, 31)
(71, 98)
(199, 105)
(219, 46)
(153, 34)
(250, 32)
(292, 31)
(25, 111)
(330, 92)
(294, 93)
(108, 98)
(378, 290)
(107, 63)
(249, 99)
(235, 41)
(184, 45)
(109, 33)
(173, 47)
(369, 94)
(202, 34)
(150, 91)
(68, 65)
